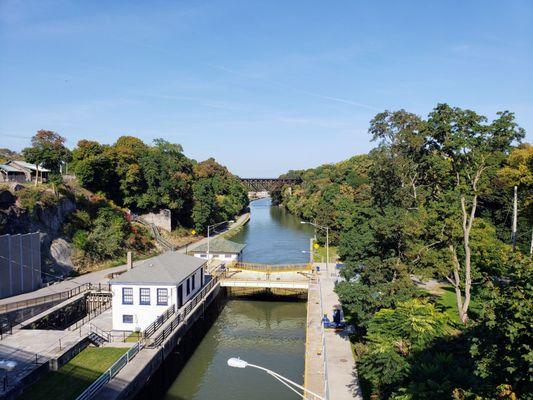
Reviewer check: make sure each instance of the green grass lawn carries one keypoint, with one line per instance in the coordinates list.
(133, 337)
(72, 379)
(448, 301)
(319, 255)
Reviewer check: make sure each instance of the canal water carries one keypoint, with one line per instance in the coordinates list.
(268, 333)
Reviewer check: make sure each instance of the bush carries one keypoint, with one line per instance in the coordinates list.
(30, 197)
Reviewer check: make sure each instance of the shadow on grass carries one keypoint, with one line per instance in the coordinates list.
(75, 376)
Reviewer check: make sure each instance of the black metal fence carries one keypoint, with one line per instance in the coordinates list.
(17, 305)
(179, 318)
(154, 326)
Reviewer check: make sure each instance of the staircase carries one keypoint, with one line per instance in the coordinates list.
(165, 244)
(98, 336)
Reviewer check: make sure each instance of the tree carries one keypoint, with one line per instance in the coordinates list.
(473, 151)
(167, 176)
(94, 168)
(393, 335)
(47, 150)
(501, 342)
(126, 154)
(204, 209)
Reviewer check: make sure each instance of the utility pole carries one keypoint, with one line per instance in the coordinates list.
(515, 212)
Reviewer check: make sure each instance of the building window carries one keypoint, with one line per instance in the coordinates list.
(193, 279)
(127, 319)
(127, 295)
(203, 255)
(162, 297)
(144, 295)
(188, 286)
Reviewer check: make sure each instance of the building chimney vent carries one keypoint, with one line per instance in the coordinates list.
(129, 260)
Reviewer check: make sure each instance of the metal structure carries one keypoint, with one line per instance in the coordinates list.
(267, 268)
(268, 184)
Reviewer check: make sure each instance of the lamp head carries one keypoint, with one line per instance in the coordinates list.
(237, 362)
(8, 365)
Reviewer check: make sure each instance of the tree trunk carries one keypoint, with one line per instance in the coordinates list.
(456, 282)
(468, 220)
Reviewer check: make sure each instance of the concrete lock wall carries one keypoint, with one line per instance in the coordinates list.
(162, 219)
(20, 264)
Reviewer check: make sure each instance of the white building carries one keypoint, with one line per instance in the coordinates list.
(144, 292)
(220, 249)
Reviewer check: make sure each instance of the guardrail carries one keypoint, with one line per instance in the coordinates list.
(157, 236)
(103, 379)
(17, 305)
(180, 316)
(267, 268)
(154, 326)
(324, 351)
(97, 311)
(100, 332)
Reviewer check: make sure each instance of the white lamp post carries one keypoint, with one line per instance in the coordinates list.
(327, 239)
(238, 363)
(8, 365)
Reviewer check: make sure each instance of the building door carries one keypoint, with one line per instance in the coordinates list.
(180, 296)
(201, 277)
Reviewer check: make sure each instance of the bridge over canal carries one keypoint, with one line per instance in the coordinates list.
(264, 276)
(268, 184)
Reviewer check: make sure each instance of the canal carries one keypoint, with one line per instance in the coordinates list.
(268, 333)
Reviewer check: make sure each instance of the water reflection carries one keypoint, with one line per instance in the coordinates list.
(274, 236)
(271, 334)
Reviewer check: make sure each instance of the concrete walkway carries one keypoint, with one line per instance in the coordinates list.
(101, 276)
(31, 348)
(241, 221)
(340, 368)
(314, 376)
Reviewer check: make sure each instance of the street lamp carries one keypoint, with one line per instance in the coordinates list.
(7, 365)
(238, 363)
(208, 234)
(327, 239)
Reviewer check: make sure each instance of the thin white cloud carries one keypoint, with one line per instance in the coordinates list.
(295, 89)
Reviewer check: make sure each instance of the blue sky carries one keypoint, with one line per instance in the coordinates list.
(262, 86)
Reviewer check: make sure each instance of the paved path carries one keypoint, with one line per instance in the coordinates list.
(96, 277)
(102, 276)
(314, 377)
(30, 348)
(242, 220)
(341, 373)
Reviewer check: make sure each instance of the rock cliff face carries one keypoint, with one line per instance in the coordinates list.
(47, 219)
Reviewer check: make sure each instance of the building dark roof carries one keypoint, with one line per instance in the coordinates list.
(170, 268)
(220, 245)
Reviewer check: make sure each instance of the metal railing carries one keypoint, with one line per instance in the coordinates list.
(267, 268)
(155, 232)
(92, 314)
(17, 305)
(154, 326)
(100, 332)
(324, 351)
(103, 379)
(182, 313)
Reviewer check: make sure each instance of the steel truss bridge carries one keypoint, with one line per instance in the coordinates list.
(268, 184)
